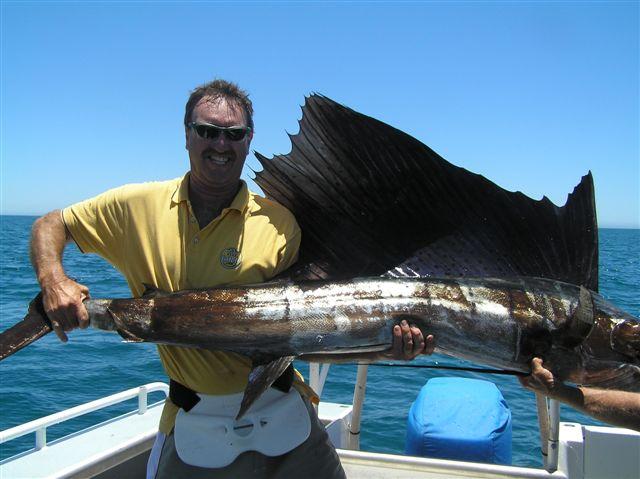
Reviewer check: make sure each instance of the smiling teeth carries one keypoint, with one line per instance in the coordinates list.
(218, 160)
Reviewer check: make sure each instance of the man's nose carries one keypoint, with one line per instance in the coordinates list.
(221, 143)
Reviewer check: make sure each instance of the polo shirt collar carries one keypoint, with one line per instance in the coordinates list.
(239, 203)
(182, 191)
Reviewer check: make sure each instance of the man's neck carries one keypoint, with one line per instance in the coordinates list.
(207, 202)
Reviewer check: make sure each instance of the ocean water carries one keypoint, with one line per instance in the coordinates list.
(49, 376)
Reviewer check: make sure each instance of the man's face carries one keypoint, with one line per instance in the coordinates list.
(217, 162)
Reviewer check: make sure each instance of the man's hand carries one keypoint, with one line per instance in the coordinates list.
(540, 380)
(620, 408)
(62, 299)
(408, 342)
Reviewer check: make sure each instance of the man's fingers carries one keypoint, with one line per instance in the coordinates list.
(430, 345)
(59, 331)
(545, 377)
(408, 338)
(418, 341)
(82, 316)
(397, 341)
(536, 365)
(541, 375)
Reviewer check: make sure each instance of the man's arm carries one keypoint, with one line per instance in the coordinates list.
(62, 297)
(620, 408)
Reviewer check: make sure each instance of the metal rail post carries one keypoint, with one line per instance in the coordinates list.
(549, 422)
(543, 425)
(358, 401)
(554, 434)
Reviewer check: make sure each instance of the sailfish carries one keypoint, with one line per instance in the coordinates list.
(392, 231)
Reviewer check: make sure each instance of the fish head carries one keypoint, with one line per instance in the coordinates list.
(610, 375)
(580, 366)
(625, 339)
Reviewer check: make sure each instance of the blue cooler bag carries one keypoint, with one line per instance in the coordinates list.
(461, 419)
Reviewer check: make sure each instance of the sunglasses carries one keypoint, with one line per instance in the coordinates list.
(207, 131)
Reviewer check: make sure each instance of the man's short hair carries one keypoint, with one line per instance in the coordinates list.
(220, 89)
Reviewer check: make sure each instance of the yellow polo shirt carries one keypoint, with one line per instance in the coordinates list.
(149, 233)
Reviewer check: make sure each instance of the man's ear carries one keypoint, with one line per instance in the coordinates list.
(186, 138)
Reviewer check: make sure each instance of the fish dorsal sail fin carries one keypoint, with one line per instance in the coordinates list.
(371, 199)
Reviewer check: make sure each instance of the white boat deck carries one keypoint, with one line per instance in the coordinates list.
(369, 465)
(89, 451)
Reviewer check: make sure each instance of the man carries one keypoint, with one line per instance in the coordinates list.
(202, 230)
(620, 408)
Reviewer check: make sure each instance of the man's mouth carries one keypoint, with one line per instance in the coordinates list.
(217, 159)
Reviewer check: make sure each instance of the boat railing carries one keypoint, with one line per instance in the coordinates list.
(318, 376)
(39, 426)
(548, 413)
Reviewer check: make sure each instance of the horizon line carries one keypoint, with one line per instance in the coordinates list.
(611, 227)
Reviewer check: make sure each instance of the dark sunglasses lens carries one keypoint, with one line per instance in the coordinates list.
(207, 132)
(236, 134)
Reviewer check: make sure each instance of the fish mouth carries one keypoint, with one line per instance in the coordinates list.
(579, 367)
(612, 375)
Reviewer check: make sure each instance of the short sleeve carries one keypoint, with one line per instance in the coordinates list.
(97, 225)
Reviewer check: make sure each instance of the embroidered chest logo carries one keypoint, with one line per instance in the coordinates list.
(230, 258)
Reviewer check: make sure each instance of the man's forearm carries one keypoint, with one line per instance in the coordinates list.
(61, 297)
(620, 408)
(48, 239)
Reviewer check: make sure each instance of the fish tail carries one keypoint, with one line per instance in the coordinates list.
(34, 325)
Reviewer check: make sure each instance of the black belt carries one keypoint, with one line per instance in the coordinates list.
(186, 398)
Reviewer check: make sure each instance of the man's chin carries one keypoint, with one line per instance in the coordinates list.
(219, 177)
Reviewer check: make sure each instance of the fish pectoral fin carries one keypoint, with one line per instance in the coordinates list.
(264, 373)
(579, 325)
(151, 292)
(122, 330)
(582, 320)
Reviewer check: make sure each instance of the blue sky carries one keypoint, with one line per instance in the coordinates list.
(530, 94)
